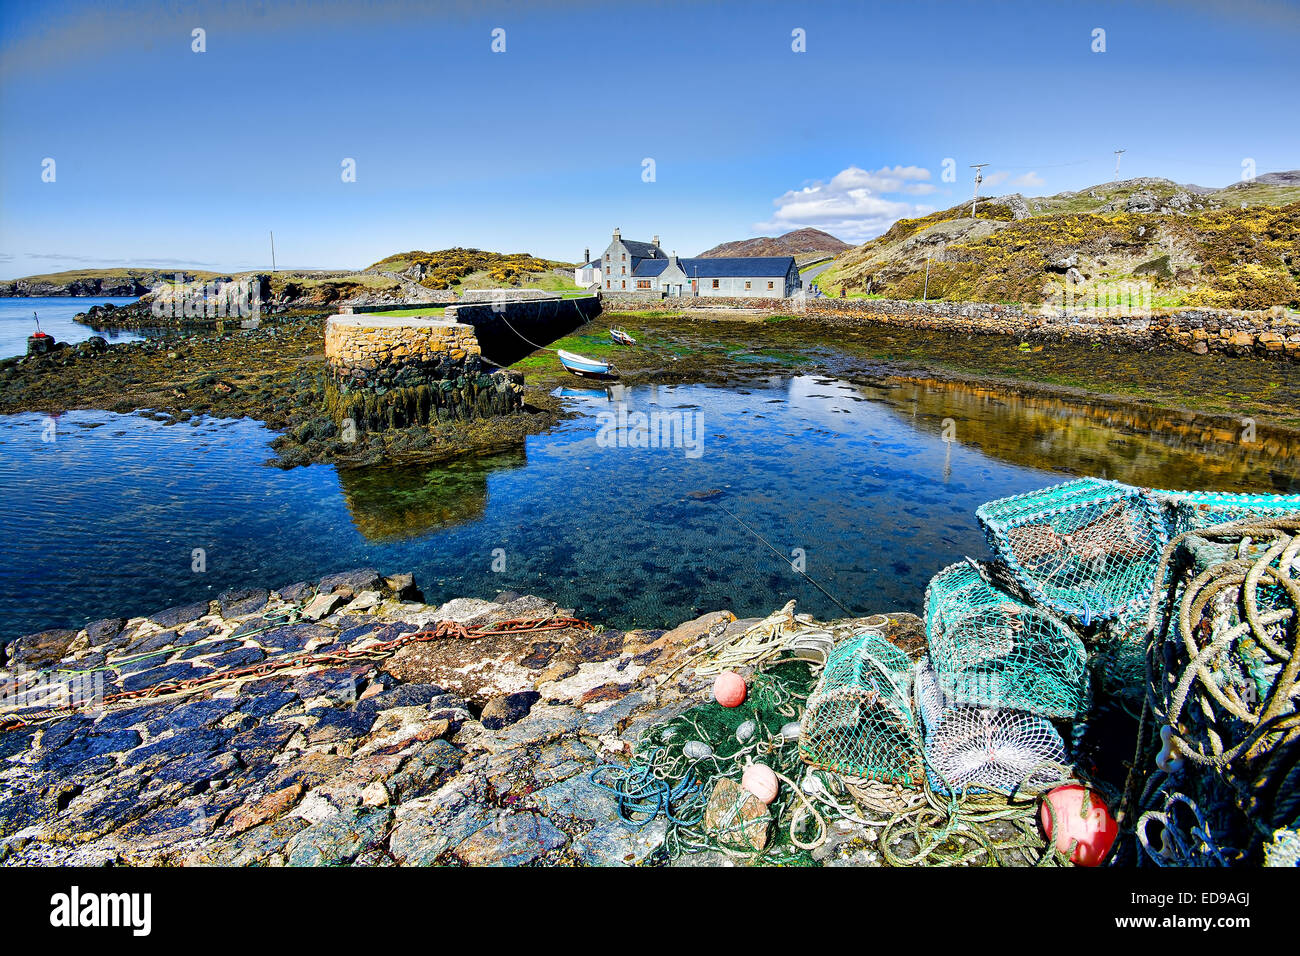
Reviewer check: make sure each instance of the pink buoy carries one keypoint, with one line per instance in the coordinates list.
(1083, 819)
(729, 689)
(759, 780)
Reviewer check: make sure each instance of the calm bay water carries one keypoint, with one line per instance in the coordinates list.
(56, 314)
(105, 519)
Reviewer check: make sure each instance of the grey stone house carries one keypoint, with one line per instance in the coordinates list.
(643, 267)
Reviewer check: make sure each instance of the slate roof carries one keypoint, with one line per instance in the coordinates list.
(742, 267)
(650, 267)
(643, 250)
(745, 267)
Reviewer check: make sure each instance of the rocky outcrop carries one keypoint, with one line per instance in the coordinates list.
(322, 742)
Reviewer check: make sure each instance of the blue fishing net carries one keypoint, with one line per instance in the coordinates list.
(989, 649)
(1192, 510)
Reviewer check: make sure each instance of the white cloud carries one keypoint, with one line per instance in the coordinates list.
(1030, 180)
(855, 204)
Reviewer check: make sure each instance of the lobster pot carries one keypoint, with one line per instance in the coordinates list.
(1119, 657)
(977, 749)
(858, 720)
(1193, 510)
(989, 649)
(1086, 549)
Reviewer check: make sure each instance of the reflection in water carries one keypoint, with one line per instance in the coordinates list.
(1145, 447)
(391, 504)
(105, 520)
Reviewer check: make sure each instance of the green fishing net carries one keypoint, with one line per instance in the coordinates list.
(859, 720)
(989, 649)
(1118, 659)
(1087, 549)
(710, 742)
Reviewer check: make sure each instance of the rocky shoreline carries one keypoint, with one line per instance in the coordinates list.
(470, 748)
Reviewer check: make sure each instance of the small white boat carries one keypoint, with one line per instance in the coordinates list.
(581, 365)
(621, 337)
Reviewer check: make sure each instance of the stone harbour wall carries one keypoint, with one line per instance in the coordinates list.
(387, 372)
(1273, 333)
(505, 330)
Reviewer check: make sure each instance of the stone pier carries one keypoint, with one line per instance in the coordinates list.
(392, 372)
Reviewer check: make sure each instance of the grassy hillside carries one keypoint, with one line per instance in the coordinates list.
(1192, 246)
(476, 269)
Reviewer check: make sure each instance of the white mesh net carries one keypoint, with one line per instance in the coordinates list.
(984, 748)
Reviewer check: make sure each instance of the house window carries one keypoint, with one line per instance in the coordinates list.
(715, 283)
(625, 257)
(624, 283)
(771, 285)
(748, 284)
(643, 283)
(625, 270)
(606, 283)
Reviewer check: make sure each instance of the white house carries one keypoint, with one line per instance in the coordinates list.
(631, 266)
(588, 273)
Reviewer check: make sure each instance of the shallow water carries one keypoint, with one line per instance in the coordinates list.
(106, 518)
(55, 312)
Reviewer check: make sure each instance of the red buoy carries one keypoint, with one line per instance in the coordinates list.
(1083, 819)
(729, 689)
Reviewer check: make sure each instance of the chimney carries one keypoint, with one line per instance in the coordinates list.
(656, 243)
(586, 256)
(617, 234)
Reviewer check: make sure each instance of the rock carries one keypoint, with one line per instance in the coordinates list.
(512, 840)
(262, 845)
(267, 808)
(294, 593)
(426, 828)
(736, 817)
(321, 606)
(351, 583)
(609, 841)
(365, 601)
(403, 587)
(41, 650)
(501, 712)
(103, 631)
(181, 614)
(238, 602)
(339, 839)
(375, 794)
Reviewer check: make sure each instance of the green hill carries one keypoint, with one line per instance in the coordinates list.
(459, 268)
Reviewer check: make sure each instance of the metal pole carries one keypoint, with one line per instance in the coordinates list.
(272, 250)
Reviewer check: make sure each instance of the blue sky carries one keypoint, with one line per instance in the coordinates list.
(163, 156)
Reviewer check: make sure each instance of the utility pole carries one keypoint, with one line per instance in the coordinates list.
(979, 178)
(272, 251)
(1118, 153)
